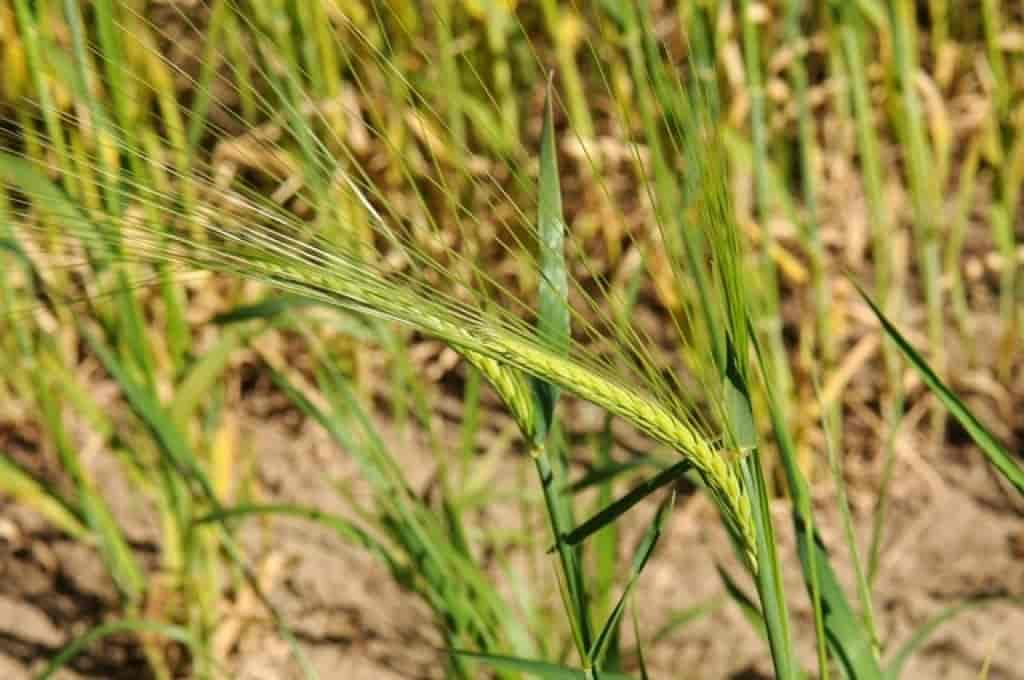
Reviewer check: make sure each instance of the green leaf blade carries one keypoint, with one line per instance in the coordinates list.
(26, 489)
(534, 669)
(996, 453)
(621, 506)
(553, 292)
(844, 632)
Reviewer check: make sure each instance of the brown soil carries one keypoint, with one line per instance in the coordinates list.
(953, 532)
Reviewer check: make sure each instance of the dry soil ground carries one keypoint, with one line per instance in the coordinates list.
(953, 533)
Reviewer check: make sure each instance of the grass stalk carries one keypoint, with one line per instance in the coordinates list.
(924, 193)
(768, 312)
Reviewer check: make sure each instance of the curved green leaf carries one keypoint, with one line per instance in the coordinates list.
(997, 454)
(342, 526)
(619, 507)
(845, 633)
(640, 558)
(26, 489)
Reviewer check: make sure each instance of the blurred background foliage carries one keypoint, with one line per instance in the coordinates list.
(872, 140)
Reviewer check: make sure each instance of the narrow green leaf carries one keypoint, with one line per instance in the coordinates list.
(559, 512)
(117, 553)
(747, 607)
(998, 455)
(616, 509)
(344, 528)
(605, 547)
(132, 328)
(203, 374)
(26, 489)
(606, 473)
(275, 310)
(617, 10)
(863, 588)
(640, 558)
(535, 669)
(846, 635)
(333, 424)
(921, 636)
(179, 337)
(264, 309)
(682, 617)
(114, 549)
(769, 569)
(553, 329)
(167, 435)
(552, 308)
(639, 647)
(208, 66)
(30, 178)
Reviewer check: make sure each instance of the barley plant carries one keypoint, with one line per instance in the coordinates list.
(610, 203)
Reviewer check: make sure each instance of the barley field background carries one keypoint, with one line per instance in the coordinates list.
(492, 338)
